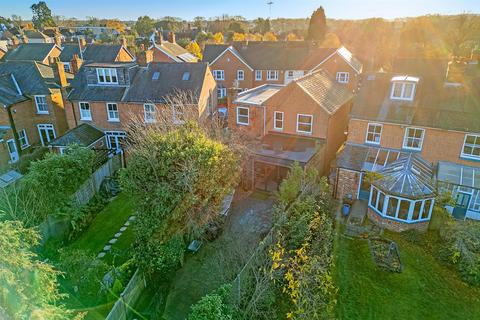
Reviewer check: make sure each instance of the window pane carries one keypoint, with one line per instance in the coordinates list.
(373, 202)
(381, 199)
(416, 210)
(426, 209)
(408, 90)
(397, 90)
(392, 207)
(404, 208)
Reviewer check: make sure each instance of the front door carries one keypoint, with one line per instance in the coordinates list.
(12, 150)
(461, 207)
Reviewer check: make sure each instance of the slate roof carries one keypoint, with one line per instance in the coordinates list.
(68, 50)
(325, 91)
(29, 52)
(144, 88)
(83, 135)
(435, 105)
(101, 52)
(8, 91)
(33, 78)
(281, 55)
(35, 34)
(177, 51)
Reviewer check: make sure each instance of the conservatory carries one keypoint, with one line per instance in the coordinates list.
(463, 184)
(402, 197)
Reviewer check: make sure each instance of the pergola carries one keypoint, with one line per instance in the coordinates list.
(405, 191)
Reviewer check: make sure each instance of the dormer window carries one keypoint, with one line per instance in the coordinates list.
(107, 76)
(403, 88)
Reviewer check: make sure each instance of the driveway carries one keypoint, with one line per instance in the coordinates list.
(219, 261)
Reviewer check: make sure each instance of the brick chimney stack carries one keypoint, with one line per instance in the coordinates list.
(15, 42)
(59, 72)
(83, 43)
(160, 37)
(123, 41)
(75, 64)
(145, 56)
(24, 39)
(171, 37)
(58, 41)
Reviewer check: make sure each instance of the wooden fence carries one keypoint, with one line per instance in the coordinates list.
(86, 192)
(128, 297)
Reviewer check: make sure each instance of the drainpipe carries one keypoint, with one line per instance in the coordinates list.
(14, 130)
(264, 121)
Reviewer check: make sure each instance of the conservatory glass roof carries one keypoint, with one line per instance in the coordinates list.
(459, 174)
(410, 176)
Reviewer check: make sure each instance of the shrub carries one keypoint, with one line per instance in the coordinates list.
(83, 216)
(23, 164)
(214, 306)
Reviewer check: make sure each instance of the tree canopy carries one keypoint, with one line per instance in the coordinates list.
(318, 25)
(42, 15)
(144, 26)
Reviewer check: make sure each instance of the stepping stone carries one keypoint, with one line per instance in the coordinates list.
(123, 229)
(117, 235)
(101, 255)
(107, 247)
(112, 241)
(127, 224)
(132, 218)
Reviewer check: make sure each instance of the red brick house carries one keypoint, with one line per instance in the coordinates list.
(246, 65)
(167, 50)
(32, 110)
(304, 121)
(109, 96)
(418, 128)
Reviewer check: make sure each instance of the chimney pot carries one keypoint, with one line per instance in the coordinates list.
(123, 41)
(171, 37)
(59, 72)
(75, 63)
(145, 57)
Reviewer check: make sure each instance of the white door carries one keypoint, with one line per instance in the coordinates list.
(46, 132)
(115, 139)
(12, 150)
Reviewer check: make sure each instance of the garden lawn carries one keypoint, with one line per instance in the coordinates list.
(105, 225)
(424, 290)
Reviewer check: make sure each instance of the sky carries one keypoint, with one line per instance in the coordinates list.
(250, 9)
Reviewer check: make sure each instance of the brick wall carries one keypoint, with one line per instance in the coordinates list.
(229, 63)
(347, 183)
(394, 225)
(160, 56)
(337, 64)
(438, 144)
(124, 56)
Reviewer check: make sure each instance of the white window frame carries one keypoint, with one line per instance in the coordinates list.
(41, 104)
(66, 67)
(216, 74)
(476, 145)
(343, 77)
(46, 126)
(221, 92)
(258, 75)
(175, 112)
(305, 123)
(240, 75)
(403, 85)
(150, 115)
(275, 120)
(83, 116)
(109, 116)
(117, 135)
(22, 134)
(374, 133)
(272, 75)
(104, 72)
(248, 116)
(405, 138)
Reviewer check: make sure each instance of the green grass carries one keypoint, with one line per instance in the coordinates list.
(105, 225)
(424, 290)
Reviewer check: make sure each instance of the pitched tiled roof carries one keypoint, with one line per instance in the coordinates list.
(324, 90)
(102, 52)
(294, 55)
(34, 34)
(143, 87)
(436, 104)
(33, 78)
(83, 135)
(68, 50)
(9, 93)
(176, 51)
(170, 79)
(29, 52)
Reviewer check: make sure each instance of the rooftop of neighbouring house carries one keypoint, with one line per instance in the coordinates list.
(29, 52)
(84, 135)
(258, 95)
(446, 95)
(281, 55)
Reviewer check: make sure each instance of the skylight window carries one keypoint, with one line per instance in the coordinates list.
(186, 76)
(156, 75)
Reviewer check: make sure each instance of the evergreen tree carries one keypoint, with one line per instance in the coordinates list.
(42, 16)
(318, 25)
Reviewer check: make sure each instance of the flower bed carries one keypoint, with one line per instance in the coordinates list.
(385, 254)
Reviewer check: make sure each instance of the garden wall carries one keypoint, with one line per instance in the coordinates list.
(128, 297)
